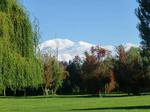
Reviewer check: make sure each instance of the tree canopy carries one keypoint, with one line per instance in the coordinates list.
(19, 65)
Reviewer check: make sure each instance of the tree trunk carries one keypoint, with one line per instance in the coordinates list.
(46, 91)
(54, 92)
(4, 92)
(15, 92)
(24, 92)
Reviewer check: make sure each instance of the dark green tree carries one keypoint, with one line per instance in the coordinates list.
(143, 14)
(74, 81)
(134, 77)
(128, 70)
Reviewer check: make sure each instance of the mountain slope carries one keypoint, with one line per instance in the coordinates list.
(68, 49)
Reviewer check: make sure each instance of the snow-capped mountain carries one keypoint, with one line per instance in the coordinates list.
(68, 49)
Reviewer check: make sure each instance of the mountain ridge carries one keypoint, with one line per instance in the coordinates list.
(68, 49)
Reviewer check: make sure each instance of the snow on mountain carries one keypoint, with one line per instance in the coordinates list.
(129, 45)
(55, 43)
(68, 49)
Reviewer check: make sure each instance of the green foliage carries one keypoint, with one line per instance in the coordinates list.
(54, 73)
(134, 54)
(98, 70)
(143, 14)
(74, 82)
(135, 74)
(58, 75)
(4, 5)
(129, 71)
(19, 65)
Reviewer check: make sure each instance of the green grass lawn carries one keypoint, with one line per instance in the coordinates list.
(76, 104)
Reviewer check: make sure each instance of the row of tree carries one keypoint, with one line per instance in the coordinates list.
(23, 69)
(128, 71)
(26, 71)
(99, 72)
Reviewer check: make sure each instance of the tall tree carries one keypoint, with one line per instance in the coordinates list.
(74, 81)
(98, 72)
(134, 76)
(54, 74)
(19, 65)
(120, 67)
(128, 70)
(143, 13)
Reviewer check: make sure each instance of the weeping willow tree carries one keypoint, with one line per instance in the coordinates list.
(20, 66)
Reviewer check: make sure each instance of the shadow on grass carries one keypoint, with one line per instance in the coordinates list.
(42, 97)
(81, 96)
(116, 96)
(75, 96)
(114, 108)
(70, 96)
(61, 96)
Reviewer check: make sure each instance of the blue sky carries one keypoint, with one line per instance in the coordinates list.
(96, 21)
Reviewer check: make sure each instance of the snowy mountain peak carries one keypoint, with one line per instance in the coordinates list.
(82, 43)
(68, 49)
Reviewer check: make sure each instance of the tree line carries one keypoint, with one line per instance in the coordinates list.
(24, 70)
(100, 72)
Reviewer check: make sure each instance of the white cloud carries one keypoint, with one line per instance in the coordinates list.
(68, 49)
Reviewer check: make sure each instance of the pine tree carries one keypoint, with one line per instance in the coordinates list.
(143, 13)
